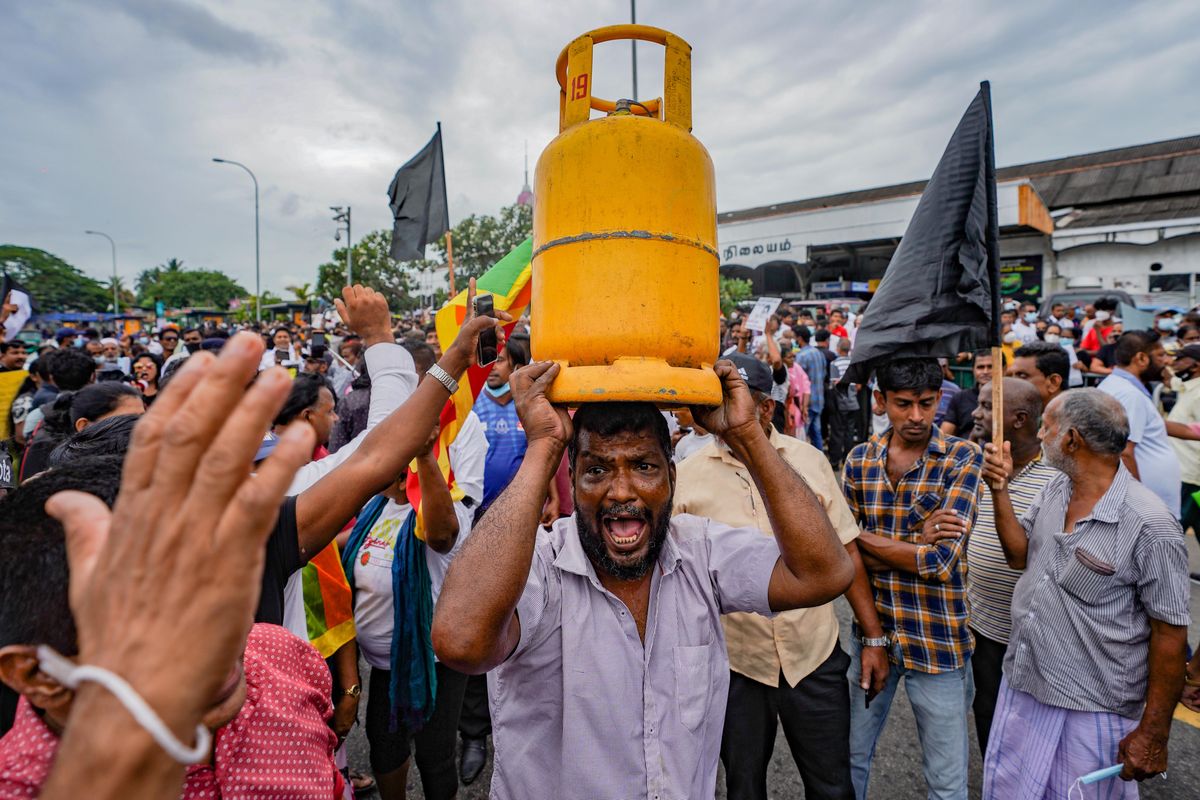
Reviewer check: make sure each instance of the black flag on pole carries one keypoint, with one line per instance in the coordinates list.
(17, 306)
(418, 200)
(940, 294)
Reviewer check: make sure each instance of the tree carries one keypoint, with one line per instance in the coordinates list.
(481, 240)
(128, 298)
(177, 286)
(303, 292)
(372, 267)
(54, 284)
(244, 309)
(733, 291)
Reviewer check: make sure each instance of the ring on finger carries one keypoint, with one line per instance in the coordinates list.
(937, 527)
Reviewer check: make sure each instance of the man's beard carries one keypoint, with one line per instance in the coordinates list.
(592, 540)
(1053, 455)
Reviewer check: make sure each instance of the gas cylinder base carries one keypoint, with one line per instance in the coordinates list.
(649, 380)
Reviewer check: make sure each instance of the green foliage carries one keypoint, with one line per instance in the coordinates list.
(481, 240)
(245, 311)
(303, 292)
(372, 267)
(54, 284)
(733, 291)
(177, 286)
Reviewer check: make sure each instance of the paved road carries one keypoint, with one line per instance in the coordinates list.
(896, 772)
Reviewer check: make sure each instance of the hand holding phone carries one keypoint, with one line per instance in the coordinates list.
(485, 352)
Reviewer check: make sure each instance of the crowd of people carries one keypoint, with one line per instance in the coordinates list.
(209, 532)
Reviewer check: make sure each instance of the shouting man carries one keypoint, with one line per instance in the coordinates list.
(605, 632)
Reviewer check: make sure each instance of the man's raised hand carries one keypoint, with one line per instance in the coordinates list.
(365, 311)
(164, 586)
(737, 415)
(539, 417)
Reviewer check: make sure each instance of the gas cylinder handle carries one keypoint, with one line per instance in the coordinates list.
(575, 100)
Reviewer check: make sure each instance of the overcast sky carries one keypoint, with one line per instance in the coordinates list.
(110, 110)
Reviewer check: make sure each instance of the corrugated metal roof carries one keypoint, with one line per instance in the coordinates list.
(1160, 208)
(1145, 171)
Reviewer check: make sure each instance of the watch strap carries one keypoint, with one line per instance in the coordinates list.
(444, 378)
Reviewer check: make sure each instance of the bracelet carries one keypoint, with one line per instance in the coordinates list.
(71, 675)
(444, 378)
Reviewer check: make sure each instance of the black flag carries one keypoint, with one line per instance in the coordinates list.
(18, 306)
(940, 294)
(418, 199)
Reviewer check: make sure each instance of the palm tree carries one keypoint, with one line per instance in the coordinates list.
(303, 292)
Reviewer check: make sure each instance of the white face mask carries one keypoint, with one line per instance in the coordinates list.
(1102, 316)
(1010, 337)
(1052, 338)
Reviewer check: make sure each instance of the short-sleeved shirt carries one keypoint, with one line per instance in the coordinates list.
(716, 485)
(506, 445)
(961, 411)
(990, 580)
(1082, 610)
(1158, 466)
(283, 558)
(583, 709)
(926, 612)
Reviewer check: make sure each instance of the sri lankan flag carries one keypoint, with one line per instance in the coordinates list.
(508, 282)
(328, 602)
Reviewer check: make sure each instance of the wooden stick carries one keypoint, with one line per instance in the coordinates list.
(450, 259)
(998, 398)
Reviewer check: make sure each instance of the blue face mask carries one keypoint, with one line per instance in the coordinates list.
(499, 391)
(1167, 324)
(1031, 317)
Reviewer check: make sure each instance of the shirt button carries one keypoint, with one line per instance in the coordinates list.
(1046, 577)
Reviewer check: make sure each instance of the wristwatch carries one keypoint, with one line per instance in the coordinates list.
(867, 641)
(353, 691)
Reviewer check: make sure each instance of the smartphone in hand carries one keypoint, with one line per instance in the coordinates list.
(485, 352)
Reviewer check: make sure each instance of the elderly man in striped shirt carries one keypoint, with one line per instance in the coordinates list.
(1095, 663)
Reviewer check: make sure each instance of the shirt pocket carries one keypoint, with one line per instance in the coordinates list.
(1087, 582)
(693, 683)
(922, 507)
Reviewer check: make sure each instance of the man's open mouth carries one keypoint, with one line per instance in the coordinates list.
(624, 532)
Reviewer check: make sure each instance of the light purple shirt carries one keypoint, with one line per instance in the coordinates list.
(582, 710)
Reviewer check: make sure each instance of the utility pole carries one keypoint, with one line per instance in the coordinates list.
(344, 217)
(633, 46)
(116, 299)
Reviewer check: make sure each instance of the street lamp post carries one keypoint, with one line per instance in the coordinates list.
(116, 299)
(344, 216)
(257, 272)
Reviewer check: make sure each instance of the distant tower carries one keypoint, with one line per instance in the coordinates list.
(525, 198)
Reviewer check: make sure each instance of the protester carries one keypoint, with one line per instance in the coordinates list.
(692, 438)
(841, 407)
(904, 486)
(181, 651)
(1185, 382)
(789, 668)
(1044, 365)
(1148, 455)
(619, 704)
(147, 367)
(799, 393)
(1096, 659)
(990, 580)
(959, 418)
(949, 391)
(68, 370)
(108, 437)
(816, 367)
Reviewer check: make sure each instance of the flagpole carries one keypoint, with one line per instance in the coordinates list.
(993, 254)
(450, 260)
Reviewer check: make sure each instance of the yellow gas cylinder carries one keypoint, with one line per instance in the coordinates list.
(625, 239)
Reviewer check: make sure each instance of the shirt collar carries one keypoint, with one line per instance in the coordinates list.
(937, 443)
(572, 559)
(1108, 507)
(1135, 380)
(722, 452)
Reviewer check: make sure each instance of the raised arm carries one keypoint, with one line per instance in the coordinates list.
(323, 509)
(475, 626)
(437, 506)
(813, 567)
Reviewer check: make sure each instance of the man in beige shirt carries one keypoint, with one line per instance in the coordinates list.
(789, 667)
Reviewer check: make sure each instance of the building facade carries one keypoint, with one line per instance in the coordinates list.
(1126, 219)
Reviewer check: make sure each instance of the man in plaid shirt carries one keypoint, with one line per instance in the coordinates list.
(906, 486)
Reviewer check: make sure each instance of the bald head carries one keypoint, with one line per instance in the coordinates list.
(1022, 413)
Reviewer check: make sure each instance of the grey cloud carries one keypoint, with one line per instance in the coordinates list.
(199, 28)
